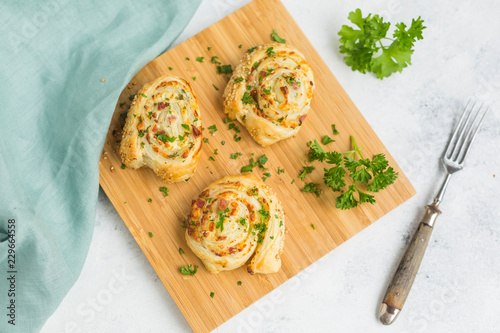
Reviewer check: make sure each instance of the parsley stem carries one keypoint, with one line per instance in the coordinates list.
(355, 147)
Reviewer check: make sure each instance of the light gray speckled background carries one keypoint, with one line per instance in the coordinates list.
(458, 287)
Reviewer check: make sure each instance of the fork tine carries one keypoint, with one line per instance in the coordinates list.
(450, 149)
(471, 140)
(465, 132)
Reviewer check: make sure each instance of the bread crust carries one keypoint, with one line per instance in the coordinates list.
(163, 129)
(270, 92)
(233, 219)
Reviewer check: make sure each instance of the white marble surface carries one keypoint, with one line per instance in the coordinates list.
(458, 286)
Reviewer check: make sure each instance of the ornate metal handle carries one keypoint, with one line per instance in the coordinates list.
(401, 283)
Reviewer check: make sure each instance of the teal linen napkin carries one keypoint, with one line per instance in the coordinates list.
(54, 116)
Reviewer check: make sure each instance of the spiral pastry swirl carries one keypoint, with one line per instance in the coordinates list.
(234, 218)
(163, 129)
(270, 92)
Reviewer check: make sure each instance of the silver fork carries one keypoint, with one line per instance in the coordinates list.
(453, 160)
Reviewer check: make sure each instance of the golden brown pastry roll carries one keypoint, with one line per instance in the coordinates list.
(163, 129)
(270, 92)
(233, 219)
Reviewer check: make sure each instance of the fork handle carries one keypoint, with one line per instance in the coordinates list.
(401, 283)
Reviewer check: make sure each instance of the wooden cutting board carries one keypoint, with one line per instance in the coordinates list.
(129, 190)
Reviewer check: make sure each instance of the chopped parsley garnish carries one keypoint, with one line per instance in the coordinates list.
(262, 160)
(214, 60)
(213, 129)
(122, 104)
(233, 126)
(239, 46)
(306, 170)
(209, 48)
(270, 50)
(235, 156)
(215, 87)
(312, 225)
(291, 80)
(239, 283)
(205, 140)
(164, 190)
(150, 200)
(335, 132)
(150, 234)
(142, 144)
(280, 170)
(255, 65)
(222, 217)
(141, 133)
(224, 69)
(216, 152)
(251, 49)
(277, 38)
(293, 181)
(165, 138)
(247, 98)
(181, 251)
(123, 166)
(264, 214)
(185, 126)
(170, 68)
(326, 140)
(238, 79)
(247, 168)
(211, 158)
(187, 58)
(212, 294)
(227, 120)
(223, 143)
(237, 138)
(267, 91)
(243, 221)
(144, 95)
(194, 78)
(199, 59)
(131, 97)
(312, 188)
(188, 270)
(266, 175)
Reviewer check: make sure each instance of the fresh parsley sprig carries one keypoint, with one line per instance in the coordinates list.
(364, 50)
(375, 174)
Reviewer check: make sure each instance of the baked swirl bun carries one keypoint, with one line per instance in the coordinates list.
(234, 218)
(270, 92)
(163, 129)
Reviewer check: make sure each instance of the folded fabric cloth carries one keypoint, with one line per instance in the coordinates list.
(63, 65)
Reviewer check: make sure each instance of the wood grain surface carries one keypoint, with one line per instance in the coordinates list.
(129, 190)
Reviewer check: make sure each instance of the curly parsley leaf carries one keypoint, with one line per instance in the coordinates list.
(364, 50)
(316, 153)
(334, 177)
(346, 200)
